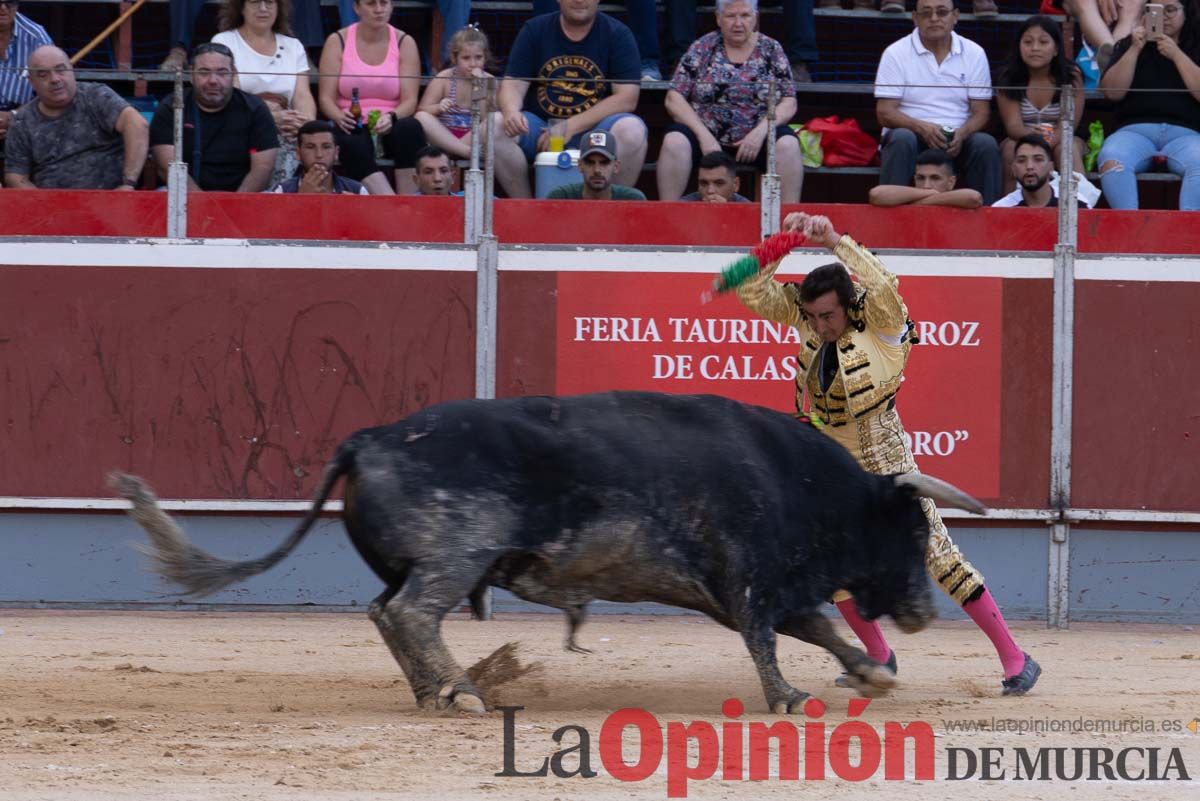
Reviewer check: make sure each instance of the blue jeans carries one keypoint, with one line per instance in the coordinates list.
(528, 142)
(977, 164)
(1134, 146)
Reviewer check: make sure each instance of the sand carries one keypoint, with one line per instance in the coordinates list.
(142, 705)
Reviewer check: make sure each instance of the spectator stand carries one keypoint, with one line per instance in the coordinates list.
(842, 78)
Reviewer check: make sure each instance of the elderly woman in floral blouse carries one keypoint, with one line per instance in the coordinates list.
(718, 100)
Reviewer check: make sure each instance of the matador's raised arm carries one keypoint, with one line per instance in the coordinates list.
(768, 298)
(883, 308)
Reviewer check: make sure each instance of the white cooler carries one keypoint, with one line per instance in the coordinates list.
(555, 169)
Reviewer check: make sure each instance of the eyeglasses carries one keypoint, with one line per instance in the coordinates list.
(1171, 11)
(263, 3)
(940, 13)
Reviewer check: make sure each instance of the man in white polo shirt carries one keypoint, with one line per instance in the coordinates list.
(934, 89)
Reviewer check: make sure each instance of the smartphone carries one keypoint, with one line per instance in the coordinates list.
(1154, 21)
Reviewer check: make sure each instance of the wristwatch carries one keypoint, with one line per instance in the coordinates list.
(131, 182)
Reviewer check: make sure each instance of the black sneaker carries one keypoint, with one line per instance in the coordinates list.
(1023, 682)
(844, 680)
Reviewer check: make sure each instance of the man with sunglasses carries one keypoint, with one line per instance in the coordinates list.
(229, 136)
(19, 37)
(934, 89)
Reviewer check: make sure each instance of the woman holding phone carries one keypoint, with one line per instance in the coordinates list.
(1153, 123)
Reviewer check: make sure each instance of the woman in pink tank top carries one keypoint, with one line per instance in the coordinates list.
(383, 64)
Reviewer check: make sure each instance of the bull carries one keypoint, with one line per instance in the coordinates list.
(736, 511)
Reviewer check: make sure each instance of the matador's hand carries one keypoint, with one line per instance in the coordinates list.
(819, 229)
(796, 221)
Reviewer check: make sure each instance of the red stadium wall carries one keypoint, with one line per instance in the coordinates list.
(235, 383)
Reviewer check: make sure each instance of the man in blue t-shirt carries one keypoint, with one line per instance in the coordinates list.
(569, 73)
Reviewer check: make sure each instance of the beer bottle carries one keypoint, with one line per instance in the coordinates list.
(356, 108)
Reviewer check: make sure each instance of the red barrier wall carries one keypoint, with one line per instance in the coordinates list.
(235, 383)
(345, 217)
(77, 213)
(218, 383)
(1137, 403)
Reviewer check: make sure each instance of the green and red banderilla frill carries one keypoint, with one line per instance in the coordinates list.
(770, 250)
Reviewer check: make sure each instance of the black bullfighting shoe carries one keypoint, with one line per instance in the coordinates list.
(1023, 682)
(844, 680)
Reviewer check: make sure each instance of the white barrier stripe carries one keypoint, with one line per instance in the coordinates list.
(215, 505)
(1140, 268)
(178, 505)
(238, 254)
(988, 265)
(291, 254)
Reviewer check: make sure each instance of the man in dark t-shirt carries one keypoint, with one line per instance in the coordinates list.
(569, 73)
(73, 135)
(229, 137)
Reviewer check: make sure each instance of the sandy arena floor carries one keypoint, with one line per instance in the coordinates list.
(168, 706)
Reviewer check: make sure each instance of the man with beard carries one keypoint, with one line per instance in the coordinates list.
(567, 74)
(599, 165)
(1037, 182)
(318, 152)
(229, 136)
(933, 88)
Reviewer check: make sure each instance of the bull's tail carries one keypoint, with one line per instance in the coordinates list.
(200, 573)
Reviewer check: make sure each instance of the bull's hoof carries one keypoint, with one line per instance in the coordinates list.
(471, 704)
(844, 679)
(866, 689)
(793, 705)
(451, 696)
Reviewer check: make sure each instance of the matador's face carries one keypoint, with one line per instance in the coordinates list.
(826, 316)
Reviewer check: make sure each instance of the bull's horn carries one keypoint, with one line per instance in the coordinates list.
(940, 491)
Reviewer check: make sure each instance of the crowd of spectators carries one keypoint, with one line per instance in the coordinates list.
(573, 80)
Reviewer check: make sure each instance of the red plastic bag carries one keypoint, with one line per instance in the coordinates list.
(844, 143)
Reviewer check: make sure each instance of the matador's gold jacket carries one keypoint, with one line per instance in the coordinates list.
(857, 407)
(871, 354)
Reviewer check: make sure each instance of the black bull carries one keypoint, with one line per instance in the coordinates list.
(736, 511)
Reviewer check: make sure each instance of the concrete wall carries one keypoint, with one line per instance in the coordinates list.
(89, 559)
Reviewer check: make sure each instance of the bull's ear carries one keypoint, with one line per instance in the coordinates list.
(940, 492)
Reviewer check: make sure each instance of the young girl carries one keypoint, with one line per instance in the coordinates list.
(445, 109)
(1031, 86)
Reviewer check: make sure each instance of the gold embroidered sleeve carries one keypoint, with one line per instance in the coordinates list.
(768, 298)
(884, 309)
